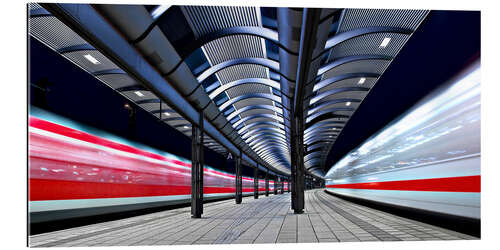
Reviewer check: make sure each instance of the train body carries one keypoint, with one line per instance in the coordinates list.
(76, 171)
(428, 159)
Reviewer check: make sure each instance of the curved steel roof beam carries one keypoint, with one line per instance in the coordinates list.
(257, 136)
(253, 107)
(276, 153)
(268, 139)
(312, 161)
(273, 154)
(326, 111)
(329, 121)
(265, 33)
(256, 131)
(324, 137)
(318, 142)
(322, 134)
(324, 127)
(338, 78)
(236, 99)
(348, 59)
(279, 144)
(311, 155)
(280, 161)
(325, 94)
(315, 146)
(251, 117)
(263, 148)
(269, 63)
(327, 116)
(264, 81)
(331, 102)
(269, 123)
(312, 140)
(314, 150)
(344, 36)
(314, 167)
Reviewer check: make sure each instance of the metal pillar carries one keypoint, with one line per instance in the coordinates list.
(308, 43)
(267, 182)
(298, 204)
(289, 186)
(256, 183)
(197, 169)
(275, 185)
(292, 176)
(238, 183)
(279, 185)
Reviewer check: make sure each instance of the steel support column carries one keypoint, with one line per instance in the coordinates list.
(197, 169)
(256, 183)
(306, 71)
(299, 177)
(275, 185)
(267, 182)
(239, 195)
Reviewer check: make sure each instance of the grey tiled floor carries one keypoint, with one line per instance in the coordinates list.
(265, 220)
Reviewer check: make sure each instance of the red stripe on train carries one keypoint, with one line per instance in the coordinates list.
(79, 135)
(41, 189)
(471, 184)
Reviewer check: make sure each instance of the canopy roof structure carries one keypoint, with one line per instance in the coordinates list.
(253, 72)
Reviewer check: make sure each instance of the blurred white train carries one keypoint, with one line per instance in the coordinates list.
(427, 159)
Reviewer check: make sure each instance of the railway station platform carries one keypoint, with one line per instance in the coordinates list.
(326, 218)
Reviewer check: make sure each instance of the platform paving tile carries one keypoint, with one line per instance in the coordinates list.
(256, 221)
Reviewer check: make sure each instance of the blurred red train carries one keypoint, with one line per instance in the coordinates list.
(77, 171)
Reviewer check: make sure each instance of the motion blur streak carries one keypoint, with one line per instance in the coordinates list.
(72, 166)
(427, 159)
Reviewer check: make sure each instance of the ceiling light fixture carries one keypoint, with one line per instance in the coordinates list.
(138, 93)
(186, 127)
(385, 42)
(158, 11)
(348, 103)
(91, 59)
(362, 80)
(167, 114)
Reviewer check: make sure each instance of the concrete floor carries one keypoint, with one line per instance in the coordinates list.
(265, 220)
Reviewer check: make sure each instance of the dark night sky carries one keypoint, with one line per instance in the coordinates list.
(445, 43)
